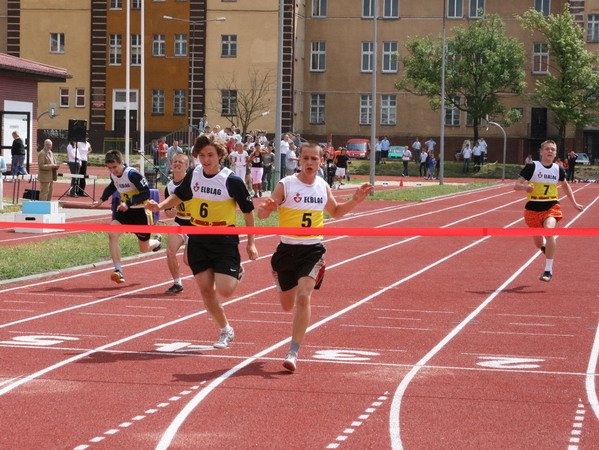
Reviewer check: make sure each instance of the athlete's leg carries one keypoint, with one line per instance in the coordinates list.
(113, 244)
(206, 283)
(550, 222)
(301, 319)
(287, 298)
(173, 245)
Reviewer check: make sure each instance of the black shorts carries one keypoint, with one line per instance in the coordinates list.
(292, 262)
(223, 258)
(384, 153)
(135, 216)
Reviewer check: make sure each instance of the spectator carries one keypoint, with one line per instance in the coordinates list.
(430, 166)
(385, 144)
(239, 159)
(85, 148)
(417, 146)
(268, 160)
(483, 150)
(48, 171)
(406, 156)
(284, 149)
(74, 162)
(571, 165)
(430, 145)
(203, 123)
(377, 152)
(257, 170)
(291, 160)
(17, 150)
(342, 163)
(467, 154)
(423, 159)
(172, 151)
(476, 154)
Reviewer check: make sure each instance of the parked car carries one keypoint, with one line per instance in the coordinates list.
(396, 152)
(583, 159)
(358, 148)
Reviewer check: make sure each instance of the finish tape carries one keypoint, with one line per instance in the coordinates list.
(298, 231)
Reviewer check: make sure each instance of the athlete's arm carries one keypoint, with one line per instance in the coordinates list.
(337, 210)
(522, 184)
(251, 247)
(108, 191)
(568, 190)
(272, 203)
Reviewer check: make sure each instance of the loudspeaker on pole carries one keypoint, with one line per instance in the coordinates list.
(77, 130)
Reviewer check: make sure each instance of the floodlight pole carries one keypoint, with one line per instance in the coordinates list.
(375, 14)
(442, 120)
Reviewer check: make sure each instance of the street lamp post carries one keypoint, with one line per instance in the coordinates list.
(504, 144)
(192, 24)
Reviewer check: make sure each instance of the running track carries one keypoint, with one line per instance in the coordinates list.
(432, 342)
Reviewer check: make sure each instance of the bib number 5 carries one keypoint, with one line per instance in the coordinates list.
(307, 220)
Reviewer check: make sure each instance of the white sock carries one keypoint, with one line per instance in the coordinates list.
(177, 281)
(548, 265)
(118, 267)
(226, 329)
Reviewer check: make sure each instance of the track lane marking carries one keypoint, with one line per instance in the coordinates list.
(394, 415)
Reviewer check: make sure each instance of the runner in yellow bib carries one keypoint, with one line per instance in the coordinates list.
(540, 179)
(298, 264)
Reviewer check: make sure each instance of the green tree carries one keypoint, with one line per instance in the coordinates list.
(570, 88)
(482, 63)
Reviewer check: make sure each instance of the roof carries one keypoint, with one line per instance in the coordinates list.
(11, 65)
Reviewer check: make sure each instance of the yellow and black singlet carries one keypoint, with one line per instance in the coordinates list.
(212, 201)
(183, 209)
(544, 180)
(132, 187)
(303, 206)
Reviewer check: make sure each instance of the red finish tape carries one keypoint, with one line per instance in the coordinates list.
(327, 231)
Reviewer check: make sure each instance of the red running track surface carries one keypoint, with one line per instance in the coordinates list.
(415, 342)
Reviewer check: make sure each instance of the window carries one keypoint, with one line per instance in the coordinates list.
(455, 9)
(79, 98)
(228, 102)
(319, 8)
(56, 42)
(135, 4)
(116, 4)
(543, 6)
(367, 55)
(159, 45)
(391, 9)
(388, 110)
(179, 108)
(318, 56)
(540, 58)
(115, 50)
(64, 97)
(317, 109)
(593, 28)
(365, 109)
(452, 114)
(390, 57)
(180, 45)
(367, 9)
(136, 49)
(477, 8)
(470, 120)
(228, 46)
(157, 101)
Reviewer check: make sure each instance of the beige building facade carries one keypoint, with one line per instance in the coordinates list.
(197, 65)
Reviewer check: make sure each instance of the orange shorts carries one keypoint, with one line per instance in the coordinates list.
(535, 219)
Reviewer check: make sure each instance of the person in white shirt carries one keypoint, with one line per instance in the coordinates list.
(476, 154)
(406, 156)
(239, 159)
(84, 149)
(417, 146)
(284, 148)
(467, 154)
(74, 162)
(423, 168)
(291, 161)
(483, 150)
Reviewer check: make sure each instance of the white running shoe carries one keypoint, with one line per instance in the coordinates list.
(290, 362)
(225, 339)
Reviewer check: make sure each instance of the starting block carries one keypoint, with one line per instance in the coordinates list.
(39, 212)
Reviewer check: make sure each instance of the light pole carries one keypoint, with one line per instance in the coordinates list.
(192, 24)
(375, 14)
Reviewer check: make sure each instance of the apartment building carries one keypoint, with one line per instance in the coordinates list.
(195, 65)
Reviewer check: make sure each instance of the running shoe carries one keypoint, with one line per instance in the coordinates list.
(117, 277)
(225, 339)
(290, 362)
(158, 237)
(546, 276)
(174, 289)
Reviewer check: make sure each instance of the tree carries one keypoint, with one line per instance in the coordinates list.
(482, 63)
(243, 106)
(570, 88)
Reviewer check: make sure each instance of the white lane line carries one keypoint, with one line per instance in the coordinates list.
(119, 315)
(414, 310)
(576, 432)
(540, 316)
(17, 310)
(386, 328)
(532, 324)
(526, 334)
(394, 415)
(590, 383)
